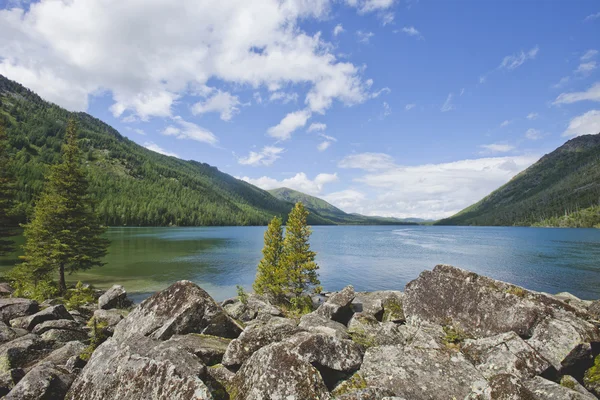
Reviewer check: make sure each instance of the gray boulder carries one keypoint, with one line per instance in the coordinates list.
(181, 308)
(23, 352)
(115, 297)
(384, 305)
(7, 333)
(594, 309)
(16, 308)
(6, 289)
(506, 387)
(67, 324)
(421, 373)
(209, 349)
(48, 314)
(256, 336)
(319, 349)
(338, 306)
(316, 323)
(371, 393)
(544, 389)
(61, 355)
(367, 331)
(254, 305)
(64, 335)
(140, 368)
(44, 381)
(9, 379)
(277, 372)
(110, 317)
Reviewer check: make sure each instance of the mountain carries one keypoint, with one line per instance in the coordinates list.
(561, 189)
(133, 185)
(332, 213)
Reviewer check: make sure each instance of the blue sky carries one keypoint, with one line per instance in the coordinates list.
(384, 107)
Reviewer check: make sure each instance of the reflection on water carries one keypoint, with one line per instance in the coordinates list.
(369, 257)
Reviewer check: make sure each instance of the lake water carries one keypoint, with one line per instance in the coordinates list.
(145, 260)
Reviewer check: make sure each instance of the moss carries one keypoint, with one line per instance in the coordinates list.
(517, 291)
(454, 335)
(568, 382)
(4, 364)
(355, 382)
(363, 339)
(392, 309)
(592, 375)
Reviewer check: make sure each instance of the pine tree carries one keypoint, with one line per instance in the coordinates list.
(7, 195)
(271, 277)
(65, 233)
(298, 260)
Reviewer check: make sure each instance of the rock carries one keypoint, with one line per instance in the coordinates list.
(79, 317)
(48, 314)
(591, 378)
(338, 305)
(276, 372)
(481, 306)
(317, 323)
(367, 331)
(544, 389)
(9, 379)
(7, 333)
(506, 353)
(255, 304)
(44, 381)
(319, 349)
(256, 336)
(6, 289)
(181, 308)
(115, 297)
(67, 324)
(140, 368)
(75, 364)
(110, 317)
(569, 382)
(420, 373)
(210, 349)
(507, 387)
(355, 388)
(16, 308)
(574, 301)
(373, 303)
(23, 352)
(371, 393)
(423, 335)
(594, 309)
(50, 302)
(65, 335)
(61, 355)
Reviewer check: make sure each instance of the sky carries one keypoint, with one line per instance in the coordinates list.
(383, 107)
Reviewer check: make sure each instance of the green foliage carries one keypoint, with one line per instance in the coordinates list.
(65, 233)
(99, 334)
(32, 284)
(454, 335)
(354, 383)
(271, 278)
(592, 375)
(517, 291)
(302, 304)
(561, 189)
(242, 295)
(80, 296)
(568, 382)
(7, 197)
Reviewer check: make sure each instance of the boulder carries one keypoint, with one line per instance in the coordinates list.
(6, 289)
(594, 309)
(316, 323)
(218, 380)
(7, 333)
(23, 352)
(367, 331)
(591, 378)
(61, 355)
(181, 308)
(423, 335)
(115, 297)
(338, 306)
(256, 336)
(75, 364)
(48, 314)
(544, 389)
(371, 393)
(277, 372)
(210, 349)
(64, 335)
(327, 351)
(506, 353)
(140, 368)
(16, 308)
(421, 373)
(9, 379)
(507, 387)
(254, 305)
(44, 381)
(110, 317)
(67, 324)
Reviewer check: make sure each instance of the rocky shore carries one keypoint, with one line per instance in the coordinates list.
(451, 334)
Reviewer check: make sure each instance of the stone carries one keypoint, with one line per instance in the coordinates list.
(61, 355)
(44, 381)
(544, 389)
(505, 353)
(6, 289)
(75, 364)
(209, 349)
(317, 323)
(115, 297)
(181, 308)
(256, 336)
(420, 373)
(140, 368)
(48, 314)
(11, 308)
(254, 305)
(327, 351)
(574, 301)
(594, 309)
(338, 306)
(64, 335)
(372, 393)
(423, 334)
(9, 379)
(591, 377)
(110, 317)
(373, 303)
(7, 333)
(367, 331)
(507, 387)
(23, 352)
(277, 372)
(572, 383)
(67, 324)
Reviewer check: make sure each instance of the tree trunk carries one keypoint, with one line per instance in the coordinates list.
(62, 286)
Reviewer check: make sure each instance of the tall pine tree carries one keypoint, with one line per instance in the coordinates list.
(65, 233)
(271, 277)
(7, 195)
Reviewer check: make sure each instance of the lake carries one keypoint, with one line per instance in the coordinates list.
(145, 260)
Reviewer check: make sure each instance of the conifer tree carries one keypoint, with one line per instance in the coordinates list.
(7, 195)
(65, 233)
(271, 277)
(298, 260)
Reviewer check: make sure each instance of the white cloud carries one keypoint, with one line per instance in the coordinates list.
(447, 106)
(317, 127)
(365, 6)
(284, 97)
(364, 37)
(376, 94)
(497, 148)
(588, 55)
(189, 130)
(257, 97)
(267, 156)
(367, 161)
(482, 79)
(156, 148)
(505, 123)
(516, 60)
(585, 124)
(387, 110)
(409, 107)
(136, 130)
(323, 145)
(299, 182)
(462, 91)
(412, 31)
(592, 17)
(533, 134)
(345, 199)
(562, 82)
(147, 54)
(289, 123)
(532, 116)
(592, 94)
(338, 29)
(586, 68)
(222, 102)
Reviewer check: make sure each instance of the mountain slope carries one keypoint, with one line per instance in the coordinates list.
(562, 182)
(133, 185)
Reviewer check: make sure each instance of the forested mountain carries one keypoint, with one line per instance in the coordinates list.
(561, 189)
(132, 185)
(332, 213)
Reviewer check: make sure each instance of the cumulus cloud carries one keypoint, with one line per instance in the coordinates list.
(448, 106)
(412, 31)
(364, 37)
(291, 122)
(348, 199)
(284, 97)
(532, 116)
(189, 130)
(496, 148)
(592, 94)
(410, 106)
(516, 60)
(323, 146)
(367, 161)
(317, 127)
(156, 148)
(222, 102)
(366, 6)
(533, 134)
(338, 29)
(299, 182)
(505, 123)
(588, 55)
(585, 124)
(586, 68)
(267, 156)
